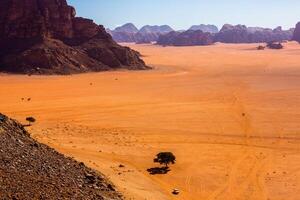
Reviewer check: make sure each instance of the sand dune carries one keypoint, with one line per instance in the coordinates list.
(228, 112)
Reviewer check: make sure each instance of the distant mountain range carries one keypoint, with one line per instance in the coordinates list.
(147, 34)
(244, 34)
(201, 34)
(228, 34)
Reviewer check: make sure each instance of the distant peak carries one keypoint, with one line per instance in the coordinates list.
(128, 27)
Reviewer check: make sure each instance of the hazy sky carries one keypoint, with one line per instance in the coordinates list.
(181, 14)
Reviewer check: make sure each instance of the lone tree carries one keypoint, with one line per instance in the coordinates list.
(30, 120)
(165, 158)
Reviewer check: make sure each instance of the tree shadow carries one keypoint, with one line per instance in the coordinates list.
(158, 170)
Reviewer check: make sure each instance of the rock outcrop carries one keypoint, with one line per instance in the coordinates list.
(45, 37)
(296, 34)
(187, 38)
(243, 34)
(205, 28)
(30, 170)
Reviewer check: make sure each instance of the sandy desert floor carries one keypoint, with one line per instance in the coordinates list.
(230, 114)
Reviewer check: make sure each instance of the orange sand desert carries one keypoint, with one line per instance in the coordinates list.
(230, 114)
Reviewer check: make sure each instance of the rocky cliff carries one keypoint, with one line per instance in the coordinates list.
(296, 34)
(30, 170)
(44, 36)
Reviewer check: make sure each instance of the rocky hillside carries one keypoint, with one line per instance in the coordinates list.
(45, 37)
(187, 38)
(30, 170)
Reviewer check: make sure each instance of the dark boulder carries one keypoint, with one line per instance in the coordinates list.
(275, 45)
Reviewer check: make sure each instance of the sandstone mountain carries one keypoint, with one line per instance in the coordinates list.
(147, 34)
(30, 170)
(128, 28)
(243, 34)
(45, 37)
(155, 29)
(187, 38)
(296, 35)
(205, 28)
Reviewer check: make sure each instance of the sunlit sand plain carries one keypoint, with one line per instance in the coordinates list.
(230, 114)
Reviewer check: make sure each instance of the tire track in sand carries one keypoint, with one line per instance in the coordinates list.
(244, 180)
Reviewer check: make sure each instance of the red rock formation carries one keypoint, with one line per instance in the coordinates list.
(44, 36)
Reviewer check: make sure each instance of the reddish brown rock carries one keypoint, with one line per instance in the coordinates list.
(44, 36)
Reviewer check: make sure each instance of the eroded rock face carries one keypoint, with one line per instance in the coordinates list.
(44, 36)
(296, 34)
(36, 18)
(187, 38)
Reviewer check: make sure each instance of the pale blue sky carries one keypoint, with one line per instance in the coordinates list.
(181, 14)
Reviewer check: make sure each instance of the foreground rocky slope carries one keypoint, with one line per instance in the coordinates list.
(44, 36)
(30, 170)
